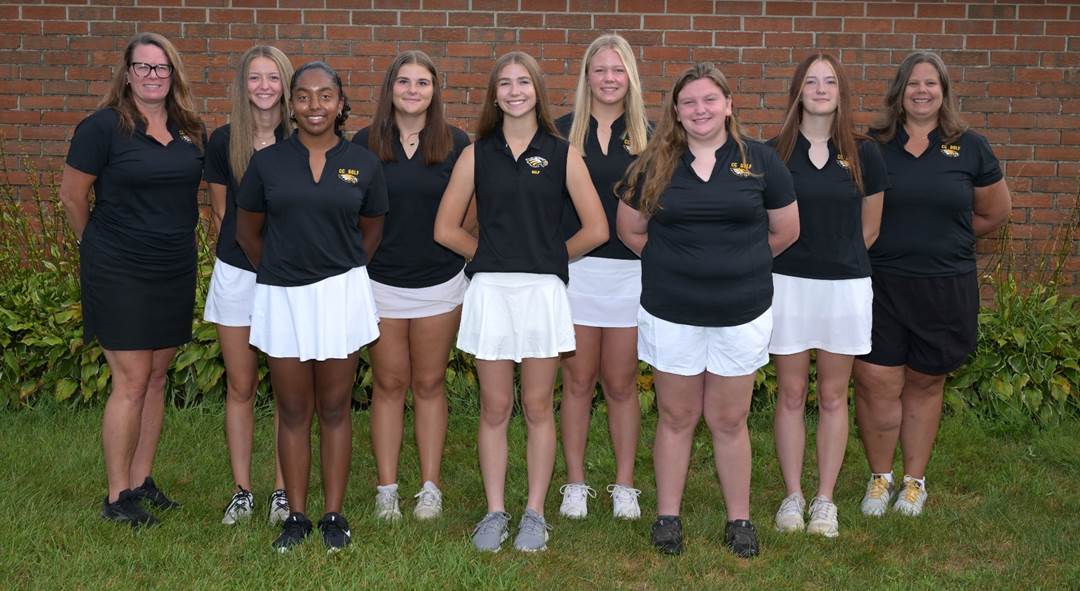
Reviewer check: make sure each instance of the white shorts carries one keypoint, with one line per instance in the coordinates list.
(329, 319)
(686, 350)
(419, 302)
(605, 292)
(515, 316)
(831, 315)
(232, 292)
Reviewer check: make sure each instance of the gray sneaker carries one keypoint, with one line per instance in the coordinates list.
(532, 532)
(491, 532)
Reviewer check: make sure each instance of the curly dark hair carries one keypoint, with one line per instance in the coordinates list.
(321, 65)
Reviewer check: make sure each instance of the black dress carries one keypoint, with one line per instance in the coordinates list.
(137, 257)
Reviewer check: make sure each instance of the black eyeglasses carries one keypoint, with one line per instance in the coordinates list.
(143, 70)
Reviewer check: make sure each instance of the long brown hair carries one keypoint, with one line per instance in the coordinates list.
(653, 169)
(843, 127)
(948, 116)
(637, 124)
(179, 103)
(242, 121)
(490, 114)
(437, 142)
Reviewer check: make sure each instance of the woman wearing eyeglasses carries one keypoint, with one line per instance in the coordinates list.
(142, 153)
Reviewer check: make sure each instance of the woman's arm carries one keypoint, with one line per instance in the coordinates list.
(594, 230)
(783, 227)
(249, 234)
(632, 228)
(75, 195)
(991, 207)
(217, 203)
(371, 229)
(871, 217)
(449, 221)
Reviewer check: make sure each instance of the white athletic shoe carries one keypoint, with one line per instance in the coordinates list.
(789, 517)
(239, 508)
(878, 494)
(823, 519)
(428, 502)
(911, 498)
(574, 499)
(279, 507)
(386, 503)
(624, 501)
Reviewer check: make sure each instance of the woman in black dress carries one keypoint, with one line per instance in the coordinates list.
(142, 153)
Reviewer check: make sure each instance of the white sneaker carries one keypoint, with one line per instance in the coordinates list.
(789, 517)
(878, 494)
(574, 499)
(428, 502)
(911, 498)
(624, 501)
(823, 518)
(386, 503)
(239, 507)
(279, 507)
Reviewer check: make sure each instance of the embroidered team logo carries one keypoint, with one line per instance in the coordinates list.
(536, 163)
(349, 175)
(950, 150)
(626, 143)
(184, 136)
(741, 169)
(840, 160)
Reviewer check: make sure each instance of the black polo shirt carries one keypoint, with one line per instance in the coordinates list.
(519, 206)
(218, 170)
(605, 170)
(926, 223)
(830, 244)
(152, 211)
(312, 228)
(408, 255)
(707, 261)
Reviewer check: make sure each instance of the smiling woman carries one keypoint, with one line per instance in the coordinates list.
(142, 154)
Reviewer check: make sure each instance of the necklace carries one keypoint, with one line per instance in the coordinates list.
(410, 139)
(261, 142)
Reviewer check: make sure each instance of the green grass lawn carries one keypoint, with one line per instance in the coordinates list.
(1003, 514)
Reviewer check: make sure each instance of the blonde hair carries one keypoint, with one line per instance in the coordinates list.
(651, 172)
(242, 121)
(491, 115)
(179, 103)
(637, 124)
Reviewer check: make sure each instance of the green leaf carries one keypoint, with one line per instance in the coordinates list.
(65, 388)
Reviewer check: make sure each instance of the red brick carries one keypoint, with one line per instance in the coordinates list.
(817, 25)
(1040, 43)
(789, 8)
(767, 24)
(923, 10)
(939, 41)
(891, 9)
(840, 9)
(994, 11)
(1019, 27)
(923, 25)
(739, 7)
(868, 25)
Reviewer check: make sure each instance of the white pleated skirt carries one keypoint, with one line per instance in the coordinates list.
(605, 292)
(231, 295)
(329, 319)
(419, 302)
(833, 315)
(515, 316)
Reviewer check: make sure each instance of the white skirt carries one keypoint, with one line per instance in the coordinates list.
(232, 292)
(329, 319)
(688, 350)
(515, 316)
(419, 302)
(605, 292)
(833, 315)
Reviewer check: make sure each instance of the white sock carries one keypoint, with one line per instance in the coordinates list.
(921, 481)
(886, 475)
(387, 488)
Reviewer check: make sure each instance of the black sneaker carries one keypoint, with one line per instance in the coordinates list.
(149, 491)
(127, 509)
(741, 537)
(667, 534)
(335, 532)
(295, 530)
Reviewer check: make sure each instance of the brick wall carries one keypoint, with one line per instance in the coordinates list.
(1016, 66)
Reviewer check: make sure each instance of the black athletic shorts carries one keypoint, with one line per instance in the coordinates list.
(929, 324)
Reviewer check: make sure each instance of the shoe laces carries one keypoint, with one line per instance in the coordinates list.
(386, 499)
(792, 504)
(295, 527)
(623, 494)
(822, 509)
(577, 491)
(428, 497)
(279, 500)
(879, 488)
(493, 522)
(911, 491)
(241, 499)
(333, 522)
(531, 523)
